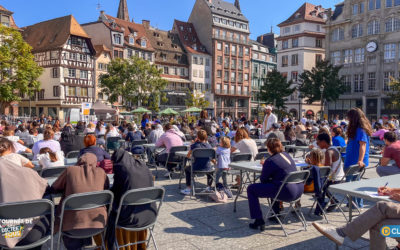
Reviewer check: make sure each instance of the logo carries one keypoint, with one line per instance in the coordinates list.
(391, 231)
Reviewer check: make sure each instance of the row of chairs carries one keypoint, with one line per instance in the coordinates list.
(81, 202)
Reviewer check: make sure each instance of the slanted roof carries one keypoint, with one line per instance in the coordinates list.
(10, 13)
(53, 33)
(307, 12)
(100, 49)
(188, 37)
(227, 9)
(129, 28)
(338, 11)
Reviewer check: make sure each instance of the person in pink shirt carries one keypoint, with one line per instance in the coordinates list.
(168, 140)
(380, 131)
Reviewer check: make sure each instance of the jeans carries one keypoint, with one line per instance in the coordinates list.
(188, 175)
(387, 170)
(221, 173)
(358, 201)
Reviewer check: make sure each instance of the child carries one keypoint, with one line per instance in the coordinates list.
(48, 158)
(224, 159)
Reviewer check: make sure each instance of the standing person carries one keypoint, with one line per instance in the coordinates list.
(269, 119)
(276, 133)
(224, 159)
(145, 120)
(391, 152)
(358, 133)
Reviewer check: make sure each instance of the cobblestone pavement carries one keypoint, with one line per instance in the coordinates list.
(186, 223)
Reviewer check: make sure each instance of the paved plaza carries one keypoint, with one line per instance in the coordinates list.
(186, 223)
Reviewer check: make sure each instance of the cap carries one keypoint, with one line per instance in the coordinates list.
(268, 108)
(276, 125)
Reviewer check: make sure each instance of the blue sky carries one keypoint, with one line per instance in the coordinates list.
(262, 13)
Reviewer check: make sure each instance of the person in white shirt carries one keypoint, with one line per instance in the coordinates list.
(48, 158)
(303, 120)
(111, 131)
(7, 154)
(269, 119)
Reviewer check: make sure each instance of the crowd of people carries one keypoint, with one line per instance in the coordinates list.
(338, 144)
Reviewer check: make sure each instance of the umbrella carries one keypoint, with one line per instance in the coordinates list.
(192, 109)
(169, 111)
(140, 110)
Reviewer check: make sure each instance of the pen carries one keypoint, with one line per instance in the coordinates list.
(386, 184)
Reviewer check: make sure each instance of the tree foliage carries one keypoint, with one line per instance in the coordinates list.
(19, 72)
(196, 99)
(394, 93)
(276, 90)
(323, 74)
(135, 80)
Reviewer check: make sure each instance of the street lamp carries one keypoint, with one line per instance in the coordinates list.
(300, 97)
(322, 88)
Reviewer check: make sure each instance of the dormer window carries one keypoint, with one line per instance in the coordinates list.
(131, 40)
(117, 39)
(160, 44)
(181, 27)
(143, 43)
(156, 34)
(194, 46)
(174, 46)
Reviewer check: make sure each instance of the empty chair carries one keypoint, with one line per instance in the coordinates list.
(52, 172)
(72, 155)
(173, 160)
(27, 210)
(241, 157)
(82, 202)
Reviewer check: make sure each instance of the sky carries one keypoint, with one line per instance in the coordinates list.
(262, 14)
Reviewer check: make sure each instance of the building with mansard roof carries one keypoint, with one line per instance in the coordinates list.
(65, 51)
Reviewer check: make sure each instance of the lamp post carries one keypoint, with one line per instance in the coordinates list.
(322, 88)
(300, 97)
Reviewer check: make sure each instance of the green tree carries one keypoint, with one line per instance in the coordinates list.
(323, 74)
(19, 72)
(196, 99)
(276, 90)
(135, 80)
(394, 93)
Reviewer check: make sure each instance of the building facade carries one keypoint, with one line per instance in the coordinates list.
(300, 45)
(224, 31)
(263, 61)
(66, 53)
(363, 37)
(102, 60)
(199, 60)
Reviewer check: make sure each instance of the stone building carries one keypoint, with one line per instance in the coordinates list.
(102, 59)
(363, 37)
(199, 59)
(263, 61)
(224, 31)
(66, 53)
(300, 45)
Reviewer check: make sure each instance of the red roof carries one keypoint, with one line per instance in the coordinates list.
(7, 12)
(307, 12)
(129, 28)
(188, 36)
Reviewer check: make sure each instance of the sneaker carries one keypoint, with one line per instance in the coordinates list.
(167, 175)
(329, 232)
(186, 191)
(207, 190)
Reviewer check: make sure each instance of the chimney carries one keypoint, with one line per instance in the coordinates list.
(101, 12)
(146, 23)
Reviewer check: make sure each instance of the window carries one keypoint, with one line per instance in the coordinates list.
(295, 60)
(219, 60)
(372, 60)
(347, 83)
(84, 92)
(226, 62)
(219, 46)
(396, 2)
(233, 76)
(336, 57)
(54, 72)
(201, 61)
(115, 53)
(207, 62)
(390, 51)
(121, 54)
(371, 4)
(195, 61)
(72, 56)
(226, 49)
(387, 78)
(359, 55)
(233, 64)
(318, 27)
(373, 27)
(240, 67)
(84, 74)
(246, 51)
(143, 43)
(285, 44)
(389, 3)
(286, 30)
(240, 51)
(285, 61)
(392, 24)
(246, 77)
(82, 58)
(357, 31)
(56, 91)
(295, 42)
(233, 49)
(72, 73)
(348, 56)
(207, 74)
(226, 76)
(131, 40)
(182, 72)
(201, 73)
(71, 91)
(41, 94)
(371, 81)
(377, 4)
(318, 58)
(297, 28)
(294, 76)
(359, 83)
(117, 39)
(337, 34)
(166, 71)
(247, 64)
(318, 43)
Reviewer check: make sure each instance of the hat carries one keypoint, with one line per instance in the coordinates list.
(267, 107)
(276, 125)
(157, 121)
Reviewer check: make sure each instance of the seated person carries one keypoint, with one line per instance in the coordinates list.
(17, 142)
(90, 147)
(168, 140)
(48, 158)
(70, 142)
(135, 135)
(391, 152)
(276, 133)
(21, 184)
(203, 164)
(382, 214)
(7, 154)
(85, 177)
(338, 139)
(129, 174)
(274, 171)
(380, 131)
(47, 142)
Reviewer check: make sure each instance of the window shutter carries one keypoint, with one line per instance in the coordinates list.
(90, 92)
(78, 91)
(66, 91)
(65, 72)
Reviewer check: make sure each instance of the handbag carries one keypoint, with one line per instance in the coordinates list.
(219, 197)
(106, 165)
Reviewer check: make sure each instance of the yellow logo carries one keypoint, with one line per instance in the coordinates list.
(385, 231)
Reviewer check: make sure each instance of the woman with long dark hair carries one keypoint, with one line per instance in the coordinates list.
(358, 133)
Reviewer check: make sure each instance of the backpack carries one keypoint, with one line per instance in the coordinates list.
(106, 165)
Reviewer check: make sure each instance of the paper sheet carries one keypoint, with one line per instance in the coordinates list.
(375, 195)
